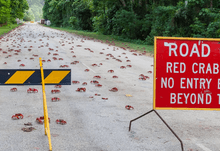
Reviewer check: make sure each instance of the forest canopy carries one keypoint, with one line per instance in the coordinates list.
(12, 9)
(138, 19)
(35, 12)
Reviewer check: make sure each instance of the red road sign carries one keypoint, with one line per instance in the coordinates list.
(186, 73)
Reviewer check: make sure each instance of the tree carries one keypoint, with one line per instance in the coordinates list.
(5, 11)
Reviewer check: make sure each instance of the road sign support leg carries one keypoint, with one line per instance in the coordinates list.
(163, 122)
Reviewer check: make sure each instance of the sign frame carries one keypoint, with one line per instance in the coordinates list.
(154, 76)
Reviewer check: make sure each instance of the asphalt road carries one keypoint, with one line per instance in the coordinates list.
(93, 124)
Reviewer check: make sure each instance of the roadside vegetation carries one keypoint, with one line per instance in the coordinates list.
(12, 9)
(6, 29)
(137, 21)
(115, 40)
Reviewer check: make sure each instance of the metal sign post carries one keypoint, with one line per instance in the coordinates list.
(186, 75)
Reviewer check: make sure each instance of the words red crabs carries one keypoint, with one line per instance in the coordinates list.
(41, 119)
(128, 107)
(75, 82)
(122, 67)
(114, 76)
(81, 90)
(114, 89)
(111, 71)
(13, 89)
(55, 91)
(84, 83)
(32, 90)
(17, 116)
(98, 85)
(57, 86)
(97, 77)
(55, 99)
(61, 121)
(86, 70)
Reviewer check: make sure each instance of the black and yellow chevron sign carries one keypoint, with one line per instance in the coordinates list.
(33, 76)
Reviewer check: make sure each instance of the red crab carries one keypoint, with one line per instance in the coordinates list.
(84, 83)
(30, 90)
(61, 121)
(128, 60)
(128, 107)
(60, 58)
(57, 86)
(86, 70)
(94, 81)
(41, 119)
(105, 98)
(55, 99)
(74, 56)
(111, 71)
(114, 89)
(149, 72)
(122, 67)
(97, 77)
(19, 60)
(5, 62)
(55, 54)
(48, 60)
(75, 82)
(55, 91)
(81, 89)
(94, 64)
(114, 76)
(72, 51)
(129, 65)
(13, 89)
(17, 116)
(98, 85)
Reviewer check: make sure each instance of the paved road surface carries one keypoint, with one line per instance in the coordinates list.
(93, 124)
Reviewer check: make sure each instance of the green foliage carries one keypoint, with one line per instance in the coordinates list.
(138, 20)
(12, 9)
(5, 11)
(36, 8)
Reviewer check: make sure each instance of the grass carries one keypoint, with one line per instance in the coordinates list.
(6, 29)
(120, 43)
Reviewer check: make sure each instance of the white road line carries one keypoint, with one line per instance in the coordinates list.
(203, 147)
(89, 68)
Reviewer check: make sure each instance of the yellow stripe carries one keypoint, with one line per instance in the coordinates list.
(19, 77)
(155, 57)
(55, 77)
